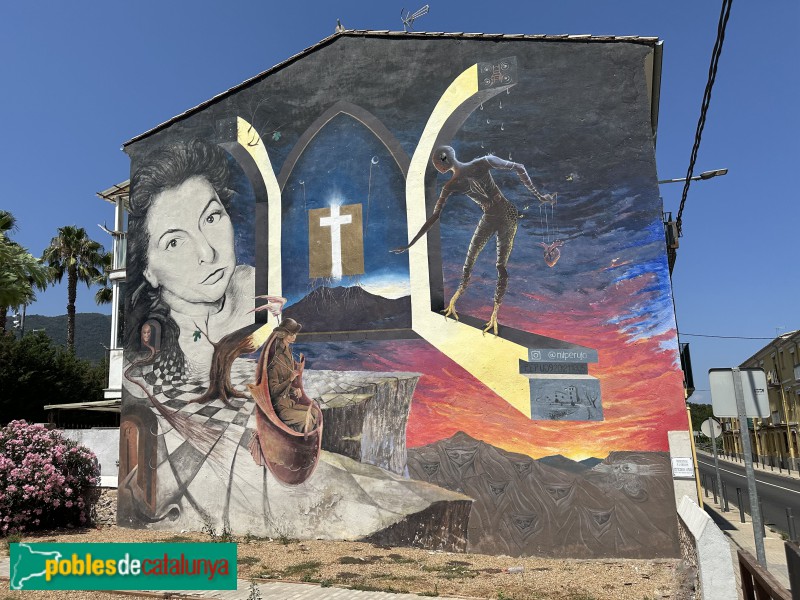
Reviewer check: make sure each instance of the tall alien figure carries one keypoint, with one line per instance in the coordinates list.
(474, 179)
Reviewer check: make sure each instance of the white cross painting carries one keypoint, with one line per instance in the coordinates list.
(335, 241)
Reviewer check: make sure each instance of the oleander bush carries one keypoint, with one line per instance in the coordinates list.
(46, 480)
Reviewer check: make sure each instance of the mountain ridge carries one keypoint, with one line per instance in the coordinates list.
(92, 332)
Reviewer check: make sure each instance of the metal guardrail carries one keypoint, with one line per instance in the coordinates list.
(757, 582)
(793, 564)
(781, 463)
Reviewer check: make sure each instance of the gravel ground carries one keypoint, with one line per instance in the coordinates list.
(366, 566)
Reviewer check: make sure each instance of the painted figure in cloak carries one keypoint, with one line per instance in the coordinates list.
(474, 179)
(288, 434)
(182, 263)
(282, 371)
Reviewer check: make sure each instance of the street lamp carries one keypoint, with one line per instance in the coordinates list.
(704, 175)
(672, 228)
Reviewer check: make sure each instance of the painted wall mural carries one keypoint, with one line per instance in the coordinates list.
(407, 290)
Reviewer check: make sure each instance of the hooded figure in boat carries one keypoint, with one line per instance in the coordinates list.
(288, 422)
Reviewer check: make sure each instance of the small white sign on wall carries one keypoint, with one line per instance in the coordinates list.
(683, 468)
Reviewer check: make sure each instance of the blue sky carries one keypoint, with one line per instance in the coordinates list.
(79, 79)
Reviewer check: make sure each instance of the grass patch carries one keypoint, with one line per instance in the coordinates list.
(345, 575)
(458, 563)
(399, 559)
(268, 575)
(454, 569)
(11, 538)
(285, 540)
(248, 560)
(359, 560)
(365, 587)
(457, 574)
(250, 538)
(390, 577)
(223, 537)
(303, 568)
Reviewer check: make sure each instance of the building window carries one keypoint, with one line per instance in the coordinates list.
(120, 252)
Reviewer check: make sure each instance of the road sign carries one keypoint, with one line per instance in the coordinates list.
(711, 428)
(754, 388)
(742, 393)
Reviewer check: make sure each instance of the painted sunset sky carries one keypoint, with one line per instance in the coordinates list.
(641, 384)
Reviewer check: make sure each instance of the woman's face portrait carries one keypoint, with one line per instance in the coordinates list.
(190, 253)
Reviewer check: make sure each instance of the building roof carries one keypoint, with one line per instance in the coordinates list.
(781, 340)
(655, 78)
(98, 405)
(120, 190)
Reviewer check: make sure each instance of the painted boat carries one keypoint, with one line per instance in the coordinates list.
(290, 455)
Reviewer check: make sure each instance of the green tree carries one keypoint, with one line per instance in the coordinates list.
(35, 372)
(73, 253)
(699, 412)
(105, 294)
(21, 274)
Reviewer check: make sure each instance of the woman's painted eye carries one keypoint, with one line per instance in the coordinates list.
(172, 244)
(213, 217)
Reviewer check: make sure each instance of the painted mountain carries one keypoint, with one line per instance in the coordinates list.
(563, 463)
(349, 309)
(623, 506)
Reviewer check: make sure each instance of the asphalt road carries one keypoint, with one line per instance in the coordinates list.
(775, 492)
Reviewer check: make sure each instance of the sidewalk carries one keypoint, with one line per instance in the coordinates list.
(273, 590)
(741, 534)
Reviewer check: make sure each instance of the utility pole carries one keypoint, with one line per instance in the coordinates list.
(744, 434)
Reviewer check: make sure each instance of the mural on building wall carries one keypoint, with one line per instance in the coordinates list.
(430, 307)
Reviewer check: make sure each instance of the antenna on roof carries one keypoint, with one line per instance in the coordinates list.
(408, 18)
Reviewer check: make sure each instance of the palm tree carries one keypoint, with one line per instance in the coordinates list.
(21, 274)
(73, 253)
(105, 294)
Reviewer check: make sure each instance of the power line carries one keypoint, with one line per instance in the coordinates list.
(724, 337)
(712, 75)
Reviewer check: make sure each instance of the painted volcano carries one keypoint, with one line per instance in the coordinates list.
(329, 309)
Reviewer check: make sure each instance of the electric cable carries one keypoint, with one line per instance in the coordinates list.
(712, 75)
(725, 337)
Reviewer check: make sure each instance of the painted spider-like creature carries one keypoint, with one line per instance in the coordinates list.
(474, 180)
